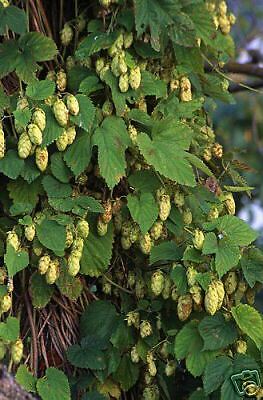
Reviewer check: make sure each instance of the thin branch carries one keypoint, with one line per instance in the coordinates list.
(249, 69)
(248, 86)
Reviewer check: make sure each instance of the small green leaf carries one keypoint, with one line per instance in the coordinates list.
(9, 330)
(86, 114)
(216, 372)
(59, 169)
(11, 165)
(166, 251)
(88, 354)
(40, 291)
(152, 86)
(15, 260)
(250, 322)
(41, 47)
(52, 236)
(178, 276)
(90, 84)
(22, 117)
(54, 188)
(252, 266)
(54, 385)
(94, 42)
(40, 90)
(12, 18)
(23, 193)
(144, 181)
(52, 130)
(143, 209)
(26, 379)
(127, 374)
(78, 155)
(69, 286)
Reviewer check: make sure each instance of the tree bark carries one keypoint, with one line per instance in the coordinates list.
(9, 388)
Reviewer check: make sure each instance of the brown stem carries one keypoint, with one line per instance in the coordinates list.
(249, 69)
(34, 336)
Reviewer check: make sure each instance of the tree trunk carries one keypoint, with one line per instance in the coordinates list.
(9, 388)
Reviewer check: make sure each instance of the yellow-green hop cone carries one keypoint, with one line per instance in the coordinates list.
(71, 134)
(178, 198)
(156, 230)
(61, 113)
(146, 244)
(2, 143)
(39, 118)
(133, 319)
(131, 279)
(207, 154)
(5, 303)
(157, 282)
(61, 81)
(13, 240)
(213, 214)
(73, 265)
(2, 350)
(122, 65)
(135, 358)
(133, 133)
(107, 108)
(72, 104)
(250, 296)
(231, 282)
(102, 227)
(185, 89)
(62, 141)
(167, 288)
(70, 63)
(105, 3)
(127, 39)
(135, 78)
(241, 346)
(3, 276)
(30, 232)
(43, 264)
(152, 370)
(41, 158)
(220, 292)
(17, 351)
(77, 247)
(5, 3)
(140, 289)
(211, 300)
(184, 307)
(187, 217)
(198, 239)
(151, 393)
(69, 237)
(66, 35)
(35, 134)
(230, 204)
(124, 83)
(145, 329)
(174, 294)
(217, 150)
(191, 274)
(83, 229)
(81, 23)
(24, 146)
(196, 293)
(170, 368)
(164, 207)
(52, 273)
(100, 63)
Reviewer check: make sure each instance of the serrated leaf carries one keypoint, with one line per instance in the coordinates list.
(11, 165)
(112, 140)
(217, 333)
(40, 291)
(41, 47)
(52, 130)
(9, 330)
(54, 385)
(26, 379)
(204, 279)
(166, 151)
(199, 164)
(97, 251)
(198, 394)
(78, 155)
(59, 169)
(203, 22)
(90, 84)
(52, 235)
(95, 313)
(22, 117)
(143, 209)
(127, 374)
(144, 181)
(94, 42)
(252, 266)
(86, 114)
(24, 194)
(216, 372)
(228, 392)
(178, 276)
(30, 172)
(15, 261)
(12, 18)
(40, 90)
(166, 251)
(69, 286)
(54, 188)
(151, 86)
(122, 338)
(88, 354)
(250, 322)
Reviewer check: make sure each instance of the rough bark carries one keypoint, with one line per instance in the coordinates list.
(9, 388)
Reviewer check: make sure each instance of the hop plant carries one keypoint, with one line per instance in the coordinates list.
(196, 293)
(61, 113)
(211, 300)
(73, 265)
(231, 282)
(184, 307)
(107, 108)
(30, 232)
(24, 146)
(39, 118)
(156, 230)
(133, 319)
(83, 229)
(41, 158)
(17, 351)
(66, 35)
(135, 355)
(3, 275)
(185, 89)
(157, 282)
(217, 150)
(135, 78)
(151, 393)
(5, 303)
(77, 247)
(2, 143)
(13, 240)
(219, 286)
(145, 243)
(52, 273)
(35, 134)
(2, 350)
(145, 329)
(124, 83)
(152, 370)
(71, 134)
(102, 227)
(72, 104)
(241, 346)
(167, 288)
(164, 207)
(170, 368)
(61, 80)
(132, 133)
(178, 198)
(213, 213)
(62, 141)
(191, 274)
(127, 39)
(187, 217)
(43, 264)
(198, 239)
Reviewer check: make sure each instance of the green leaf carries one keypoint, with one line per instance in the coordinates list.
(216, 372)
(12, 18)
(203, 22)
(183, 31)
(165, 251)
(210, 243)
(250, 322)
(52, 130)
(93, 396)
(59, 169)
(40, 90)
(4, 100)
(198, 394)
(94, 42)
(92, 318)
(26, 379)
(127, 374)
(78, 155)
(217, 332)
(90, 84)
(11, 165)
(144, 181)
(86, 114)
(41, 47)
(22, 117)
(178, 276)
(30, 172)
(9, 55)
(40, 291)
(24, 194)
(151, 86)
(54, 385)
(228, 392)
(52, 235)
(143, 209)
(97, 251)
(54, 188)
(15, 260)
(204, 279)
(165, 152)
(122, 338)
(252, 266)
(9, 330)
(112, 140)
(69, 286)
(88, 354)
(199, 164)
